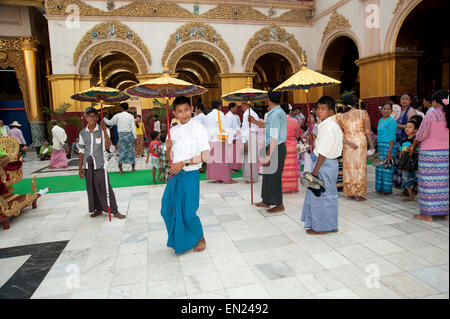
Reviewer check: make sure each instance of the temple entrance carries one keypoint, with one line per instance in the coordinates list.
(119, 72)
(12, 107)
(271, 70)
(422, 50)
(201, 69)
(339, 63)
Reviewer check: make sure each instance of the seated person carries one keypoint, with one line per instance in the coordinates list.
(46, 151)
(75, 150)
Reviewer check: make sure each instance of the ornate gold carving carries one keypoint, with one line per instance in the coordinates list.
(196, 31)
(233, 12)
(29, 43)
(143, 8)
(139, 8)
(398, 6)
(198, 46)
(272, 48)
(109, 31)
(11, 50)
(106, 46)
(273, 33)
(337, 20)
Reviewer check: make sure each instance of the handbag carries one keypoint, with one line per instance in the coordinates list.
(388, 163)
(409, 163)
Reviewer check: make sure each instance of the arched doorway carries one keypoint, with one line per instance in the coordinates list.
(422, 50)
(271, 70)
(202, 69)
(339, 63)
(118, 71)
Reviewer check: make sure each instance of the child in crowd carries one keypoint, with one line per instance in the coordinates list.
(163, 159)
(190, 148)
(153, 151)
(91, 161)
(320, 208)
(409, 178)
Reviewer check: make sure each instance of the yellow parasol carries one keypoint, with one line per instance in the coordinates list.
(306, 79)
(98, 106)
(102, 94)
(249, 95)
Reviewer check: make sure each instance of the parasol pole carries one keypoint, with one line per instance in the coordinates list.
(105, 157)
(309, 122)
(250, 157)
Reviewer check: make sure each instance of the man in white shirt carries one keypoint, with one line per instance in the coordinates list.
(4, 129)
(254, 144)
(218, 169)
(200, 114)
(233, 127)
(59, 152)
(190, 148)
(320, 208)
(127, 136)
(156, 124)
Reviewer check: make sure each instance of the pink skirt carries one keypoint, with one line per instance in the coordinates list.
(58, 159)
(218, 169)
(237, 156)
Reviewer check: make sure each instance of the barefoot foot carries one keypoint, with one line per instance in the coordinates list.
(312, 232)
(119, 216)
(276, 209)
(97, 213)
(201, 245)
(261, 204)
(424, 217)
(360, 198)
(408, 199)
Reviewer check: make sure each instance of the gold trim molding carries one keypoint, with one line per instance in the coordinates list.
(111, 30)
(399, 4)
(31, 3)
(271, 35)
(11, 55)
(143, 8)
(337, 20)
(266, 48)
(198, 46)
(196, 31)
(85, 61)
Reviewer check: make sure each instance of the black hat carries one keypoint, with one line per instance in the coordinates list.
(274, 96)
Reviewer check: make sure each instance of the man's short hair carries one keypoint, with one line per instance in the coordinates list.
(231, 105)
(124, 106)
(274, 96)
(201, 107)
(89, 110)
(180, 101)
(329, 101)
(155, 116)
(53, 122)
(215, 104)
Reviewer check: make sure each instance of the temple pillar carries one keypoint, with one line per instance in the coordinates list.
(37, 123)
(406, 69)
(63, 86)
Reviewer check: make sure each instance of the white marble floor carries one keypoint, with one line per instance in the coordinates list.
(379, 252)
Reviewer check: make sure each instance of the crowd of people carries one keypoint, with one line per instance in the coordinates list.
(327, 150)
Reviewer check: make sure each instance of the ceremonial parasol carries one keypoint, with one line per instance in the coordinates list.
(102, 94)
(304, 80)
(249, 95)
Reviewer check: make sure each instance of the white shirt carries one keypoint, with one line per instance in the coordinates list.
(396, 111)
(431, 109)
(244, 129)
(212, 125)
(231, 124)
(201, 118)
(420, 113)
(157, 127)
(330, 139)
(238, 119)
(81, 141)
(5, 130)
(189, 141)
(59, 138)
(124, 122)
